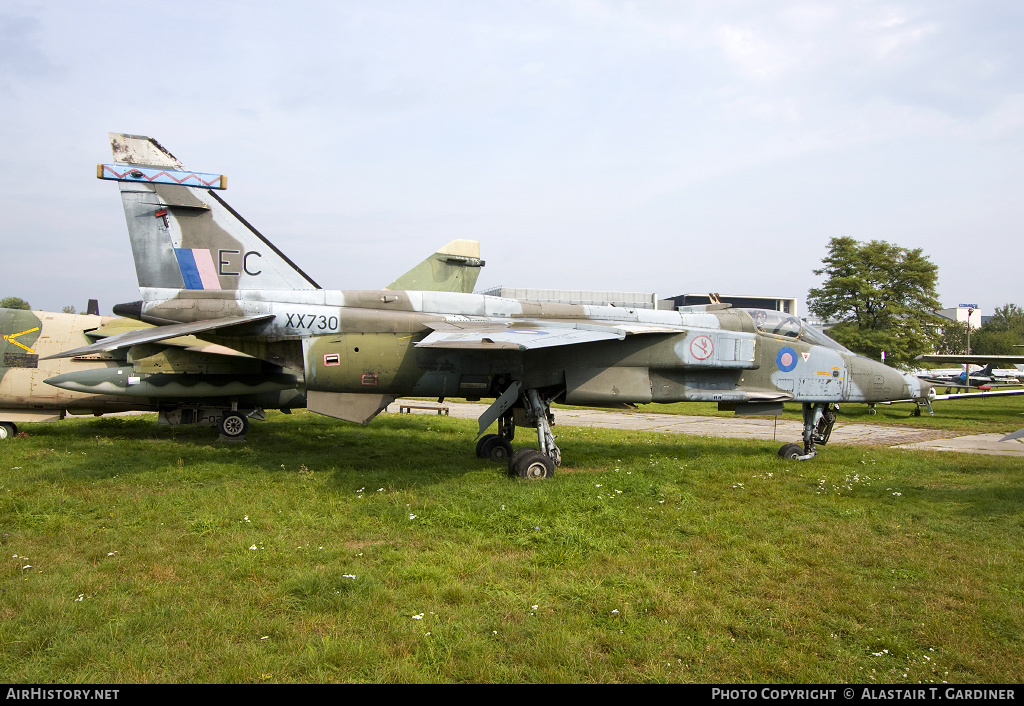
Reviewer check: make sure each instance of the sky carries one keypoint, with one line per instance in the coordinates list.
(657, 146)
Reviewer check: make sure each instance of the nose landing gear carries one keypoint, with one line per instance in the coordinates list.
(819, 418)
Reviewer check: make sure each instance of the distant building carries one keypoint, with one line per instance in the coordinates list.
(787, 305)
(635, 300)
(970, 315)
(643, 300)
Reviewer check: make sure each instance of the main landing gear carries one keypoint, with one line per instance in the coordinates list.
(819, 418)
(531, 464)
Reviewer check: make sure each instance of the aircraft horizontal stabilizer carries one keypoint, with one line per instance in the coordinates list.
(159, 333)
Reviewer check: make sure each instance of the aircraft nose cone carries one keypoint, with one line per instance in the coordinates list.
(918, 388)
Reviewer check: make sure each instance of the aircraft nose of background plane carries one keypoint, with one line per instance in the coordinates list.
(918, 388)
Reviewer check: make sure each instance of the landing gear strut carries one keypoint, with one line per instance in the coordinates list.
(535, 411)
(819, 418)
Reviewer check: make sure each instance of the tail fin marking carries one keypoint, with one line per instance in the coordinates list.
(183, 235)
(197, 268)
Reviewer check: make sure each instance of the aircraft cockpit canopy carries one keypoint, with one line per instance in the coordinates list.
(782, 324)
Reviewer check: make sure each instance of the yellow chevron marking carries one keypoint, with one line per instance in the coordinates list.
(12, 336)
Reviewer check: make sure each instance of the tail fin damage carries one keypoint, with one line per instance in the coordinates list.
(183, 235)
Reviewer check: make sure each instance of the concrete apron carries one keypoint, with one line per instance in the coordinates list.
(768, 428)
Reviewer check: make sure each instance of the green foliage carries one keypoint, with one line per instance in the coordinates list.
(14, 303)
(954, 338)
(68, 309)
(1000, 334)
(882, 297)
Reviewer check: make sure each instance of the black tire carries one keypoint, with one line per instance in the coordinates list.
(7, 430)
(514, 459)
(496, 449)
(233, 425)
(484, 440)
(533, 465)
(791, 451)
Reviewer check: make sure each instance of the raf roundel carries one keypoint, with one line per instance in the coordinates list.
(786, 359)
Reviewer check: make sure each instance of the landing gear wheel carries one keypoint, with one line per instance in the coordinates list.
(916, 412)
(485, 439)
(7, 430)
(496, 449)
(233, 425)
(791, 452)
(533, 465)
(515, 459)
(872, 411)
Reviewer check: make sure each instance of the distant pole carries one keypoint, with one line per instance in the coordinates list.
(967, 366)
(969, 312)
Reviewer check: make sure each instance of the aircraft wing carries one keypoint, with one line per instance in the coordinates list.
(159, 333)
(976, 359)
(970, 395)
(119, 325)
(940, 382)
(486, 334)
(1013, 435)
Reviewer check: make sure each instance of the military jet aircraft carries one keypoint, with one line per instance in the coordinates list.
(984, 378)
(184, 380)
(204, 271)
(979, 359)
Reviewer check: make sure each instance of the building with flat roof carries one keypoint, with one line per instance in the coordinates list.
(970, 315)
(787, 305)
(644, 300)
(636, 300)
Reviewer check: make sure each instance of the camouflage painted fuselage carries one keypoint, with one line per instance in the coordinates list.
(156, 378)
(450, 344)
(26, 338)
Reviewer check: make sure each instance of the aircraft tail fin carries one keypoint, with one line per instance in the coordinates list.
(453, 268)
(183, 235)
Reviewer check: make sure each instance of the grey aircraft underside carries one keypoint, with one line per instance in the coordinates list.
(204, 271)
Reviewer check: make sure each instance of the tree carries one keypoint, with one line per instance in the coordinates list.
(881, 297)
(954, 338)
(1000, 334)
(14, 303)
(68, 309)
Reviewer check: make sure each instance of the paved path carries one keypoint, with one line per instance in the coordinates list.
(782, 430)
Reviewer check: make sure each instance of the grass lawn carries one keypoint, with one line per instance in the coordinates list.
(321, 551)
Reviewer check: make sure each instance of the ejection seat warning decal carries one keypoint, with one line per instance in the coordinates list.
(702, 347)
